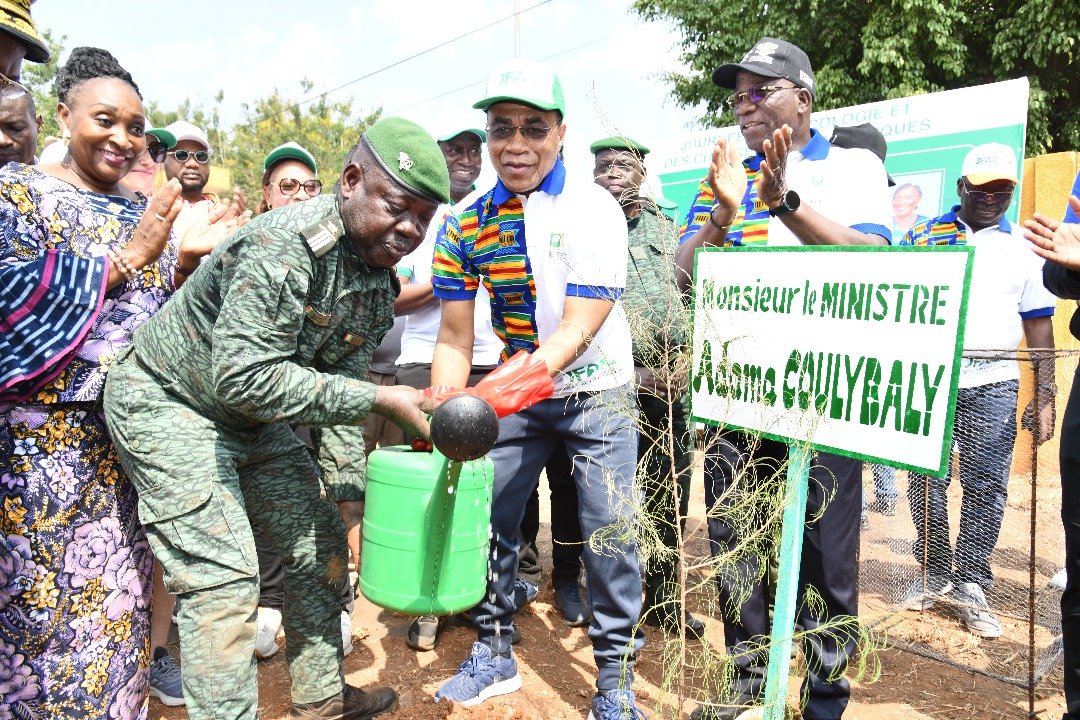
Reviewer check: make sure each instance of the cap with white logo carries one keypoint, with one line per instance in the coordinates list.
(989, 162)
(527, 82)
(770, 57)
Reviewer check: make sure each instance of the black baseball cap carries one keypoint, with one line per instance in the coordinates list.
(864, 136)
(770, 57)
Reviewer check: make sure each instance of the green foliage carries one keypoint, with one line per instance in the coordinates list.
(327, 129)
(39, 79)
(868, 51)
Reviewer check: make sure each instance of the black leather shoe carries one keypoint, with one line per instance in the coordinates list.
(352, 704)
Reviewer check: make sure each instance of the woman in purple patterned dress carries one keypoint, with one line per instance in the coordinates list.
(83, 263)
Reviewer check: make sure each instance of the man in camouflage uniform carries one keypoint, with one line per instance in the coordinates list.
(658, 324)
(276, 327)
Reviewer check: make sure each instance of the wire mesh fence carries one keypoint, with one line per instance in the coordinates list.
(967, 568)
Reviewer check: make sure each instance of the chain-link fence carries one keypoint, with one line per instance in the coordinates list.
(967, 569)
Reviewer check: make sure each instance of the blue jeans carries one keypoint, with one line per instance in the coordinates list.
(598, 433)
(985, 430)
(884, 483)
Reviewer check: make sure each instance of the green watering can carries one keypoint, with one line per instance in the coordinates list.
(427, 525)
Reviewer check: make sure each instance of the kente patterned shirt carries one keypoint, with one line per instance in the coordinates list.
(268, 330)
(846, 185)
(565, 239)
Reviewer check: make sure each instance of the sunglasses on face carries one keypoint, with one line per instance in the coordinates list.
(10, 88)
(157, 151)
(502, 133)
(289, 186)
(979, 196)
(201, 156)
(755, 95)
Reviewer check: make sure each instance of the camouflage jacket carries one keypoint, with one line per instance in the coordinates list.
(658, 316)
(278, 325)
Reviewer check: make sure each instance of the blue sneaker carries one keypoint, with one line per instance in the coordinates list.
(524, 593)
(165, 682)
(480, 677)
(575, 610)
(615, 705)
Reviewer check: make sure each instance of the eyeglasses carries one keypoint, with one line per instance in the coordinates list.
(755, 95)
(290, 186)
(979, 196)
(201, 156)
(502, 133)
(157, 151)
(10, 88)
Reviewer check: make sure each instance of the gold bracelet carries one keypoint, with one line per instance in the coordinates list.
(121, 264)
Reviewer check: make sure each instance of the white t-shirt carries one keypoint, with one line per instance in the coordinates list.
(846, 185)
(1006, 288)
(422, 326)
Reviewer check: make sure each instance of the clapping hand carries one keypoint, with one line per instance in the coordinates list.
(1056, 241)
(204, 235)
(727, 178)
(772, 184)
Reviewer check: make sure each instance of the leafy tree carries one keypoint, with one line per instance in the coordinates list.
(39, 79)
(326, 129)
(868, 51)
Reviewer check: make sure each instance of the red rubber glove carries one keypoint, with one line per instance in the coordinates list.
(519, 383)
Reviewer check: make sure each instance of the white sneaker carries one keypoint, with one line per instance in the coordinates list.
(269, 623)
(1058, 581)
(974, 612)
(346, 632)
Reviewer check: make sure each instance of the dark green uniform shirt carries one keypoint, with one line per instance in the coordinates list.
(278, 326)
(658, 316)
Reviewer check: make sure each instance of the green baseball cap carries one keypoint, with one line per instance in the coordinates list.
(619, 143)
(454, 133)
(410, 156)
(527, 82)
(163, 136)
(290, 151)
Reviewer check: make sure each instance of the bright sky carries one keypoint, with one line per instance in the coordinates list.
(608, 59)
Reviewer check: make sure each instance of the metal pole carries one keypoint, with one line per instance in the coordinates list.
(517, 29)
(1036, 431)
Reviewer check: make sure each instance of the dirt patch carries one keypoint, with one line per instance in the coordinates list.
(557, 671)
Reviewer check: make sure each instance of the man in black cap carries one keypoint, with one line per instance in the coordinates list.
(797, 189)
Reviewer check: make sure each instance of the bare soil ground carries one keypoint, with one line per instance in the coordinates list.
(555, 661)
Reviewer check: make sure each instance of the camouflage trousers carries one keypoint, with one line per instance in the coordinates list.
(201, 486)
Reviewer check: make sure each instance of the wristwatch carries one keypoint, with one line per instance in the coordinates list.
(789, 202)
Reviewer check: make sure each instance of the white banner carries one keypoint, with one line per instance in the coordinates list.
(855, 350)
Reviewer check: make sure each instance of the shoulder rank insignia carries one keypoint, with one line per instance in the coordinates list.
(321, 237)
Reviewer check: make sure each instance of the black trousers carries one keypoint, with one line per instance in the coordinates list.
(1070, 518)
(737, 464)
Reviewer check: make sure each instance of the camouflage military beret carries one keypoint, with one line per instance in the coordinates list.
(410, 156)
(619, 143)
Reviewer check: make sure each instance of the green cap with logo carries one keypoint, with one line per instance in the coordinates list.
(446, 137)
(526, 82)
(410, 156)
(619, 143)
(290, 151)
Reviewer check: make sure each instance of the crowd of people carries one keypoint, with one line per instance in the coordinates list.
(189, 389)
